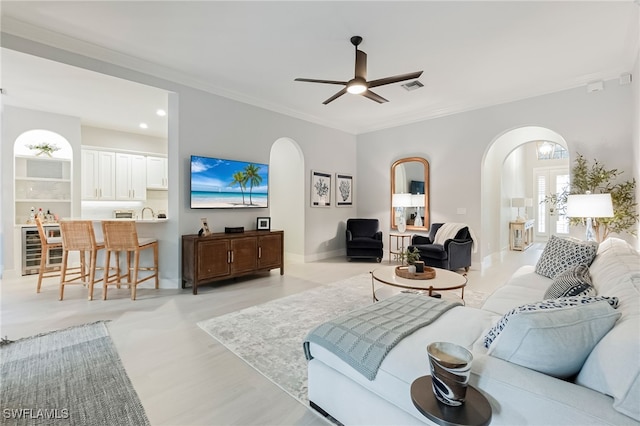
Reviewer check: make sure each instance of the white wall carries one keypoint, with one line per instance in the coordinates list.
(117, 140)
(16, 121)
(598, 125)
(636, 125)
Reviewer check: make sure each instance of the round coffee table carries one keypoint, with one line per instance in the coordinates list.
(444, 280)
(475, 411)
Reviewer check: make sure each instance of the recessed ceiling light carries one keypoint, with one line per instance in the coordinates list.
(144, 126)
(161, 112)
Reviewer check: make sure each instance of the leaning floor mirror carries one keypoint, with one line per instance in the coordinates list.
(410, 194)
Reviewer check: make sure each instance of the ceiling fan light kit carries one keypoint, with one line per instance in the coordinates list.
(359, 85)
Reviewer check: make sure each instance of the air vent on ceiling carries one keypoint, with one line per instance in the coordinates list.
(412, 85)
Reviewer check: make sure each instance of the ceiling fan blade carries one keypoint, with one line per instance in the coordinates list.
(310, 80)
(336, 96)
(361, 64)
(395, 79)
(374, 97)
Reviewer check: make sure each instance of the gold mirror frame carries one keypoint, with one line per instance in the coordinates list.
(398, 169)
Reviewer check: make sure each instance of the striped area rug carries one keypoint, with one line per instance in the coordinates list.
(67, 377)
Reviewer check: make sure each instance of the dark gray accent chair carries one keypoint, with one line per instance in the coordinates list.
(454, 254)
(364, 239)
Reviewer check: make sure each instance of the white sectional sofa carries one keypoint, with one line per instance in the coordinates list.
(605, 390)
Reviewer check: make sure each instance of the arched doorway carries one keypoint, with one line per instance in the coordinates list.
(495, 201)
(286, 206)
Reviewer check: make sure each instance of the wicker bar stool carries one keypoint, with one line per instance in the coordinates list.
(46, 244)
(78, 235)
(121, 235)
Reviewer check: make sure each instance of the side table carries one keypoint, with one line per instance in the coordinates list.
(521, 235)
(475, 411)
(399, 246)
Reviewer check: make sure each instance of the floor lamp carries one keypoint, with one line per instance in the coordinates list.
(589, 206)
(400, 202)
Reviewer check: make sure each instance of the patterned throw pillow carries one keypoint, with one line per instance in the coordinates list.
(575, 281)
(561, 254)
(545, 305)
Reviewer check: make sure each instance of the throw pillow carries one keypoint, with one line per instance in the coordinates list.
(545, 305)
(561, 254)
(555, 340)
(575, 281)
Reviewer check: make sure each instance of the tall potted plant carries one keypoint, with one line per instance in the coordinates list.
(597, 179)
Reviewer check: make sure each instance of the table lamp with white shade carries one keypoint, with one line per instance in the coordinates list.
(400, 202)
(589, 206)
(519, 203)
(528, 202)
(417, 201)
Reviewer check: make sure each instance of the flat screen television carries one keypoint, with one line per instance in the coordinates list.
(218, 183)
(416, 187)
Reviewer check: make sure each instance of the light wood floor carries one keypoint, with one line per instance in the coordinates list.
(183, 376)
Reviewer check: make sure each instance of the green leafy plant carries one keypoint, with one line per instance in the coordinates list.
(597, 179)
(44, 148)
(409, 256)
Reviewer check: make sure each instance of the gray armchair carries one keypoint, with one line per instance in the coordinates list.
(364, 240)
(454, 254)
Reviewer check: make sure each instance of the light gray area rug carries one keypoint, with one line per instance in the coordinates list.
(269, 336)
(67, 377)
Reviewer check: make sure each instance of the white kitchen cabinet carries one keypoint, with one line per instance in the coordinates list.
(131, 177)
(98, 174)
(157, 173)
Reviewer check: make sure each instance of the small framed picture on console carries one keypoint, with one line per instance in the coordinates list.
(263, 224)
(205, 227)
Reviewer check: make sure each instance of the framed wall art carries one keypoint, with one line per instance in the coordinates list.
(320, 189)
(344, 190)
(263, 224)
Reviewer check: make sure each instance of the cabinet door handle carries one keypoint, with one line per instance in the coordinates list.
(100, 192)
(231, 256)
(260, 252)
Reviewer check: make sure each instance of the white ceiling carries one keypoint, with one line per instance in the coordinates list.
(473, 54)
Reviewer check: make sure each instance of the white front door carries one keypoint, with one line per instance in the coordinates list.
(550, 219)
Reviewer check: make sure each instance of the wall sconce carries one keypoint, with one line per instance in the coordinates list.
(400, 202)
(589, 206)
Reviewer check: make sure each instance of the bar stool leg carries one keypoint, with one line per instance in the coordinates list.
(92, 271)
(105, 280)
(63, 273)
(155, 263)
(136, 265)
(43, 262)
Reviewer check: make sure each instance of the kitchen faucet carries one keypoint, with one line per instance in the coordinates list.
(142, 213)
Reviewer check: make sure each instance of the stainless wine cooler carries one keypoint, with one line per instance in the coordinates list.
(32, 250)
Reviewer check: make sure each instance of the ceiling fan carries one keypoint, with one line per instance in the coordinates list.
(359, 85)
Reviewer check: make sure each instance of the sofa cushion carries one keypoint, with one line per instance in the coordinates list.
(575, 281)
(560, 254)
(432, 251)
(364, 242)
(612, 367)
(553, 336)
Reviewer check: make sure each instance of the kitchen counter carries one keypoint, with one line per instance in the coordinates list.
(32, 225)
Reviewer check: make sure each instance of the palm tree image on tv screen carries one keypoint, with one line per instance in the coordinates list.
(217, 183)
